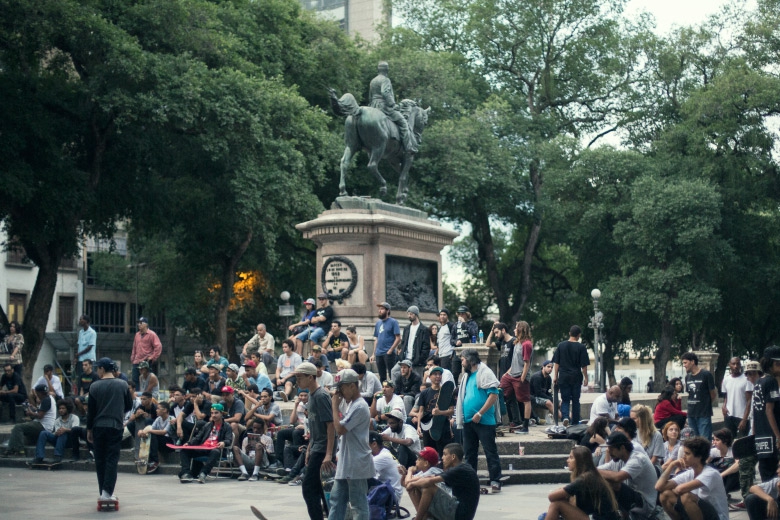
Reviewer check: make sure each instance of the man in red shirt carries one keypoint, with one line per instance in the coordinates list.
(146, 347)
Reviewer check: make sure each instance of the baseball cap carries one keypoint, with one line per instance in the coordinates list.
(233, 367)
(618, 439)
(107, 363)
(42, 388)
(143, 364)
(306, 368)
(323, 296)
(190, 371)
(430, 455)
(414, 309)
(218, 407)
(388, 383)
(250, 363)
(772, 352)
(310, 301)
(226, 390)
(384, 304)
(462, 309)
(143, 320)
(753, 366)
(436, 369)
(316, 348)
(346, 376)
(397, 414)
(406, 362)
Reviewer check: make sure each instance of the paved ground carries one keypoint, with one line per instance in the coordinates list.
(26, 493)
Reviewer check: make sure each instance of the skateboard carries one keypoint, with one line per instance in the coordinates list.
(257, 513)
(45, 465)
(270, 475)
(556, 404)
(439, 422)
(744, 447)
(143, 452)
(107, 504)
(486, 480)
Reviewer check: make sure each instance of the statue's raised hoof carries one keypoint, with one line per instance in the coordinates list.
(342, 192)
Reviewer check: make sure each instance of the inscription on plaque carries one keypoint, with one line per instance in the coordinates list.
(339, 277)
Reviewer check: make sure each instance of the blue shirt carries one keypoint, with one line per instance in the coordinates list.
(262, 381)
(474, 400)
(86, 338)
(385, 332)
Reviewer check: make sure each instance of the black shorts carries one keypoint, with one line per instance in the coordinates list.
(707, 510)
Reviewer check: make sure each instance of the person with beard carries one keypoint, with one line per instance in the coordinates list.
(407, 385)
(478, 414)
(402, 437)
(445, 339)
(466, 331)
(415, 342)
(427, 407)
(388, 336)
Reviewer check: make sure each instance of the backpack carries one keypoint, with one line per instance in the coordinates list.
(382, 504)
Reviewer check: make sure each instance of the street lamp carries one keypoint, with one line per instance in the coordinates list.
(136, 267)
(597, 323)
(286, 310)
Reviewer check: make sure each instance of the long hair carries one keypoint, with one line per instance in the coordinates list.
(593, 483)
(667, 395)
(644, 422)
(524, 332)
(599, 427)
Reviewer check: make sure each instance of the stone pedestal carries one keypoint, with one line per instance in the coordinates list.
(707, 360)
(369, 251)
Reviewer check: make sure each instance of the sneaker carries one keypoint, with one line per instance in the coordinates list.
(152, 467)
(202, 478)
(495, 487)
(57, 460)
(522, 431)
(739, 506)
(296, 481)
(513, 425)
(243, 476)
(275, 465)
(254, 478)
(286, 480)
(532, 422)
(186, 478)
(36, 460)
(566, 423)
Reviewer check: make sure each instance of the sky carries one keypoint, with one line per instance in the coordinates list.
(667, 14)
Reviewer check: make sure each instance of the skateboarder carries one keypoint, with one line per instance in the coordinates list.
(109, 401)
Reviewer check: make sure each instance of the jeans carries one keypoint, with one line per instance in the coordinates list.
(12, 400)
(205, 467)
(701, 426)
(570, 393)
(354, 491)
(107, 444)
(76, 434)
(384, 364)
(59, 443)
(311, 485)
(473, 435)
(315, 334)
(756, 507)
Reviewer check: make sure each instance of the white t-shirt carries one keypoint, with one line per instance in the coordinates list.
(407, 432)
(711, 490)
(410, 342)
(387, 469)
(56, 384)
(770, 487)
(602, 406)
(642, 477)
(396, 403)
(735, 388)
(443, 340)
(656, 447)
(325, 380)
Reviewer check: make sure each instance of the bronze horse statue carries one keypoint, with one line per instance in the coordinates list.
(371, 130)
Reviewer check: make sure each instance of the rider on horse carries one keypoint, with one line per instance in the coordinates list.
(381, 96)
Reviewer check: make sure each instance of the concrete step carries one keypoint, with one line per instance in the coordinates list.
(537, 476)
(532, 444)
(527, 462)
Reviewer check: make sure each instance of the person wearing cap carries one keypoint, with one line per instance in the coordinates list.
(317, 355)
(427, 406)
(415, 341)
(766, 413)
(435, 361)
(303, 326)
(458, 500)
(147, 380)
(407, 384)
(285, 369)
(42, 420)
(351, 421)
(445, 338)
(628, 427)
(425, 465)
(54, 383)
(734, 408)
(146, 347)
(109, 401)
(233, 380)
(336, 343)
(86, 341)
(322, 438)
(541, 388)
(233, 411)
(477, 412)
(84, 381)
(702, 393)
(213, 437)
(319, 324)
(631, 475)
(697, 491)
(385, 401)
(386, 466)
(466, 331)
(262, 342)
(747, 463)
(402, 437)
(252, 377)
(215, 382)
(388, 336)
(570, 373)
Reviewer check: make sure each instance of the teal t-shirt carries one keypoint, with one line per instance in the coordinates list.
(475, 399)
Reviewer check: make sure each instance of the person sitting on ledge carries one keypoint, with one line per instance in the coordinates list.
(256, 452)
(213, 437)
(63, 425)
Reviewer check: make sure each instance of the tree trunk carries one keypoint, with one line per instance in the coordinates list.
(227, 279)
(486, 253)
(663, 354)
(531, 242)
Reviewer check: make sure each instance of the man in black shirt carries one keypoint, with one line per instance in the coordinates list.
(570, 373)
(766, 405)
(702, 392)
(431, 501)
(11, 390)
(408, 384)
(191, 380)
(541, 383)
(335, 341)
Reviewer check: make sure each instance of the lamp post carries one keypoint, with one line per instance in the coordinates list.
(136, 267)
(597, 323)
(286, 310)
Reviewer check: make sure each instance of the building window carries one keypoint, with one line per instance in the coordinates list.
(106, 316)
(66, 310)
(625, 361)
(17, 305)
(69, 263)
(644, 361)
(18, 256)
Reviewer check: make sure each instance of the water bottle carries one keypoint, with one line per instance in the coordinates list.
(473, 339)
(481, 337)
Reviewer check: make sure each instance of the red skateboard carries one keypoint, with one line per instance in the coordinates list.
(199, 447)
(104, 504)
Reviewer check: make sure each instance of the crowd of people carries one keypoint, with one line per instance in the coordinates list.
(417, 424)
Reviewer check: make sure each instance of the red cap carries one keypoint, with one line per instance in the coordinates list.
(250, 363)
(430, 455)
(226, 390)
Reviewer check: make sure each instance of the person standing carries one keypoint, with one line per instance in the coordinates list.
(351, 421)
(415, 343)
(570, 373)
(735, 409)
(702, 392)
(477, 413)
(466, 331)
(766, 413)
(87, 344)
(109, 401)
(146, 347)
(319, 452)
(515, 383)
(445, 339)
(388, 335)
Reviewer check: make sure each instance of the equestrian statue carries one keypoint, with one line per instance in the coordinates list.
(384, 129)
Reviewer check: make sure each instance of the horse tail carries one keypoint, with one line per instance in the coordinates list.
(346, 106)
